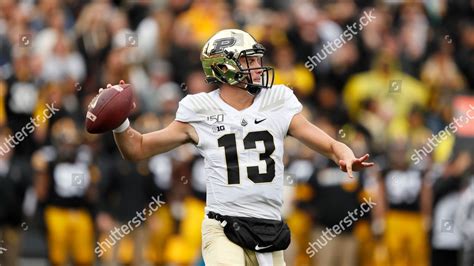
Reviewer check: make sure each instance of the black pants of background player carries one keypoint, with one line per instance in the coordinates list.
(467, 254)
(443, 257)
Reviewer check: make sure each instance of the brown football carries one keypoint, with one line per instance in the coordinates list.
(109, 108)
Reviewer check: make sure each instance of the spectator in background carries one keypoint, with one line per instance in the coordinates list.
(184, 45)
(7, 10)
(72, 68)
(48, 37)
(330, 104)
(195, 83)
(302, 35)
(247, 12)
(44, 13)
(116, 67)
(51, 95)
(93, 39)
(371, 117)
(161, 89)
(126, 44)
(62, 83)
(148, 34)
(387, 87)
(465, 50)
(345, 63)
(3, 115)
(413, 130)
(414, 34)
(269, 28)
(200, 24)
(440, 72)
(295, 76)
(444, 80)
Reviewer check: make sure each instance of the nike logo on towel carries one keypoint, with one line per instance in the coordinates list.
(260, 248)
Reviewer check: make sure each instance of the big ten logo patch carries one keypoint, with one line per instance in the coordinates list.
(218, 128)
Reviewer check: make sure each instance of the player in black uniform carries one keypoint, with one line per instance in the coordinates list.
(66, 187)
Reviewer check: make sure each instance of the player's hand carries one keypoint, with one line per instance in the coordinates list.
(354, 164)
(110, 85)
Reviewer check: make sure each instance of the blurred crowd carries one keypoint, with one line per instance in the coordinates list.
(398, 82)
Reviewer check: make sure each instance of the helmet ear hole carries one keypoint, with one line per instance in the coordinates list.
(219, 71)
(223, 68)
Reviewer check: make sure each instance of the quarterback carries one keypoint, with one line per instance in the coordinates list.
(239, 129)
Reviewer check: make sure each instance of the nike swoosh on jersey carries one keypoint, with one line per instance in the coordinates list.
(260, 248)
(259, 121)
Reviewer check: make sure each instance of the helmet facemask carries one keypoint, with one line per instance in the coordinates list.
(266, 76)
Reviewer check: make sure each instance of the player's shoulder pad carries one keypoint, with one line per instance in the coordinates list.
(277, 97)
(200, 103)
(195, 107)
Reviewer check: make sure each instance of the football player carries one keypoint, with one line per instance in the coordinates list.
(66, 185)
(239, 129)
(405, 199)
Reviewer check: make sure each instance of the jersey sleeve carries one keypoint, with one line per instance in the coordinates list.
(186, 112)
(189, 111)
(292, 107)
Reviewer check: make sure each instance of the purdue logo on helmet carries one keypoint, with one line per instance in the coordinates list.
(220, 44)
(220, 60)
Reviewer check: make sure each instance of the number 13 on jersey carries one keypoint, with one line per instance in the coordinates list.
(228, 141)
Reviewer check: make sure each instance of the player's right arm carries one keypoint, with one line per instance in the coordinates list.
(135, 146)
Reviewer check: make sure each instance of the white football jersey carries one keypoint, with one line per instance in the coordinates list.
(242, 150)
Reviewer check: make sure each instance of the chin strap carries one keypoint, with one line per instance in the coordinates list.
(253, 89)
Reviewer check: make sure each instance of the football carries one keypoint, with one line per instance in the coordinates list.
(109, 108)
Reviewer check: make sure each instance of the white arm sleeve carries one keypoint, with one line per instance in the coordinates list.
(292, 106)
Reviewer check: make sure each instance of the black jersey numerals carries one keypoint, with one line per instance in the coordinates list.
(231, 159)
(233, 172)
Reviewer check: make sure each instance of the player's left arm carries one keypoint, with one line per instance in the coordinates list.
(318, 140)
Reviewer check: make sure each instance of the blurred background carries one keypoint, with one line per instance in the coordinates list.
(399, 88)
